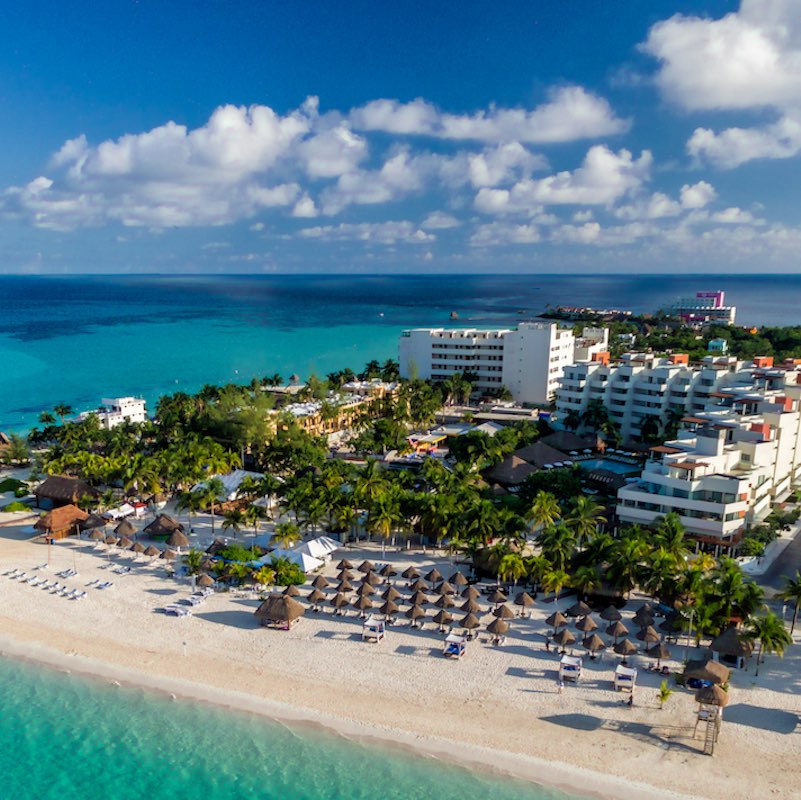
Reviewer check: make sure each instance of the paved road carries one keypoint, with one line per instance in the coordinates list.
(786, 564)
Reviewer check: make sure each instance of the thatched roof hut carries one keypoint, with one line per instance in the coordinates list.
(163, 526)
(512, 471)
(712, 696)
(279, 610)
(730, 644)
(60, 522)
(705, 669)
(61, 490)
(205, 581)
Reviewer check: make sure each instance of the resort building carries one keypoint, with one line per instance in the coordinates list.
(704, 308)
(729, 463)
(642, 385)
(528, 360)
(116, 410)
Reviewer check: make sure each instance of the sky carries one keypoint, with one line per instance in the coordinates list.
(456, 136)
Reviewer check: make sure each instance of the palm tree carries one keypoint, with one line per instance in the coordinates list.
(671, 535)
(210, 495)
(511, 568)
(585, 517)
(268, 487)
(286, 535)
(572, 420)
(189, 502)
(252, 516)
(545, 509)
(664, 693)
(193, 560)
(62, 410)
(586, 580)
(595, 415)
(265, 576)
(554, 581)
(234, 519)
(46, 418)
(770, 633)
(557, 543)
(626, 562)
(792, 592)
(383, 517)
(728, 578)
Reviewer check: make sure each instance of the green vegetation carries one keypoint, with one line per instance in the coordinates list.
(16, 506)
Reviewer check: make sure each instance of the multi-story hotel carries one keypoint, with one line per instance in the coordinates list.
(116, 410)
(528, 360)
(730, 462)
(642, 385)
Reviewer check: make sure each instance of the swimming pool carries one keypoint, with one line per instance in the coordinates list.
(610, 464)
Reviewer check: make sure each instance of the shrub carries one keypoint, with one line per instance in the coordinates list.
(16, 506)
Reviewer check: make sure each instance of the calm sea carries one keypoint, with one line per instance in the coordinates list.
(78, 339)
(64, 737)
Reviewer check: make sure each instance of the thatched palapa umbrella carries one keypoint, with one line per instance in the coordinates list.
(178, 539)
(419, 586)
(126, 528)
(97, 535)
(344, 564)
(617, 629)
(498, 597)
(372, 579)
(345, 586)
(345, 574)
(168, 554)
(151, 551)
(387, 571)
(291, 591)
(498, 627)
(524, 599)
(648, 635)
(434, 575)
(366, 566)
(410, 573)
(418, 599)
(594, 644)
(124, 543)
(206, 564)
(611, 614)
(556, 620)
(415, 613)
(471, 593)
(580, 609)
(389, 608)
(111, 540)
(564, 638)
(625, 648)
(339, 601)
(471, 607)
(469, 622)
(443, 618)
(364, 590)
(446, 588)
(320, 582)
(137, 547)
(316, 596)
(205, 581)
(659, 652)
(92, 522)
(444, 601)
(586, 625)
(390, 593)
(457, 579)
(503, 612)
(363, 603)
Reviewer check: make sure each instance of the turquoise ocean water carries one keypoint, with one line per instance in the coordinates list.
(65, 737)
(78, 339)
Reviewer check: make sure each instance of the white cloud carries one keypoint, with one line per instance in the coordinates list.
(747, 60)
(698, 195)
(735, 146)
(603, 178)
(332, 152)
(305, 208)
(571, 113)
(258, 227)
(736, 216)
(385, 233)
(495, 234)
(439, 220)
(657, 206)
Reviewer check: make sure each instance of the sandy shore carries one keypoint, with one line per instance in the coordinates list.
(498, 707)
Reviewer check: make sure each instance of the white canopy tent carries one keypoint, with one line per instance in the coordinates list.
(306, 562)
(322, 547)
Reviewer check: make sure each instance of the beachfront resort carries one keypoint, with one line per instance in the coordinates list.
(559, 566)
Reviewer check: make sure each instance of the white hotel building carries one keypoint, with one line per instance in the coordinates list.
(731, 461)
(117, 410)
(528, 359)
(640, 385)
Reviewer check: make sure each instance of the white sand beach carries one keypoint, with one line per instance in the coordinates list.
(497, 707)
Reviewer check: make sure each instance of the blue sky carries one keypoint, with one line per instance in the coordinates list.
(406, 137)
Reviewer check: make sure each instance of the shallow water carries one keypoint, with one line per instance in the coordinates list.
(68, 737)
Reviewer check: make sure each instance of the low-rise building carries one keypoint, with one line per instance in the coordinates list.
(116, 410)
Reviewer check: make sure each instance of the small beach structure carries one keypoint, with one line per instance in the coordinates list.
(570, 668)
(556, 620)
(126, 528)
(372, 629)
(97, 536)
(455, 646)
(564, 638)
(152, 551)
(525, 601)
(60, 490)
(730, 648)
(625, 648)
(205, 581)
(625, 678)
(279, 611)
(707, 670)
(178, 539)
(498, 628)
(579, 609)
(60, 522)
(92, 522)
(611, 614)
(322, 548)
(711, 701)
(163, 526)
(443, 618)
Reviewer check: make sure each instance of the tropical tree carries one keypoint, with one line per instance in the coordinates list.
(193, 560)
(545, 509)
(210, 495)
(664, 693)
(671, 536)
(189, 502)
(626, 561)
(46, 418)
(384, 516)
(62, 410)
(557, 543)
(585, 517)
(595, 415)
(586, 579)
(792, 592)
(771, 635)
(572, 420)
(252, 516)
(554, 581)
(287, 534)
(16, 452)
(268, 488)
(511, 568)
(264, 576)
(234, 519)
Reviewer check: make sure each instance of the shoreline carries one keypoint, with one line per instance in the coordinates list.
(559, 776)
